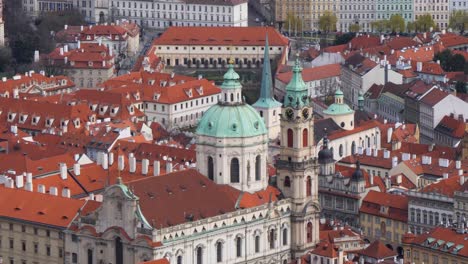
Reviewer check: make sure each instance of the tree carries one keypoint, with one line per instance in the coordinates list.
(396, 23)
(354, 28)
(379, 25)
(424, 23)
(459, 20)
(461, 87)
(343, 38)
(450, 62)
(410, 27)
(327, 22)
(293, 23)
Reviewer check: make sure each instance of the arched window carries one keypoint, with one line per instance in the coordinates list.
(118, 251)
(219, 252)
(309, 186)
(285, 236)
(340, 150)
(179, 259)
(290, 138)
(257, 243)
(225, 97)
(368, 141)
(239, 247)
(235, 170)
(309, 232)
(210, 168)
(90, 256)
(353, 148)
(271, 238)
(232, 97)
(258, 167)
(305, 137)
(199, 255)
(261, 113)
(287, 182)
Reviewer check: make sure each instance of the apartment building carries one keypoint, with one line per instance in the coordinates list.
(438, 9)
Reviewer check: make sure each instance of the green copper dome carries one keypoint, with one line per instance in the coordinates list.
(231, 79)
(339, 107)
(296, 90)
(224, 121)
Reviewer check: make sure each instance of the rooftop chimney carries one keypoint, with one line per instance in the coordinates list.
(156, 168)
(132, 163)
(28, 177)
(168, 167)
(458, 164)
(29, 186)
(144, 166)
(445, 175)
(14, 129)
(19, 181)
(105, 161)
(405, 156)
(111, 158)
(63, 171)
(121, 162)
(394, 161)
(77, 169)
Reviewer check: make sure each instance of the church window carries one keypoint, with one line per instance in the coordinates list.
(210, 168)
(235, 170)
(353, 148)
(261, 113)
(341, 150)
(239, 247)
(309, 232)
(179, 259)
(258, 167)
(305, 137)
(287, 182)
(309, 186)
(290, 138)
(342, 124)
(199, 255)
(232, 97)
(90, 256)
(271, 238)
(257, 243)
(285, 237)
(219, 252)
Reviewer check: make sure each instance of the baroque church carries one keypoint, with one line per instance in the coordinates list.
(225, 210)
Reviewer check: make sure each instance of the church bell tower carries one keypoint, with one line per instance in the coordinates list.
(297, 166)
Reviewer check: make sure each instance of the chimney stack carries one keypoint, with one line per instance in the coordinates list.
(77, 169)
(121, 162)
(132, 163)
(111, 158)
(14, 129)
(458, 164)
(19, 181)
(105, 161)
(63, 171)
(168, 167)
(394, 161)
(144, 166)
(445, 175)
(156, 168)
(29, 186)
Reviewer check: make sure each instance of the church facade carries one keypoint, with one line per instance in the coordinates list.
(224, 211)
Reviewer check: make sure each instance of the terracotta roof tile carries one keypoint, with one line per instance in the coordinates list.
(395, 205)
(313, 74)
(452, 127)
(443, 240)
(446, 187)
(214, 36)
(377, 250)
(434, 97)
(50, 210)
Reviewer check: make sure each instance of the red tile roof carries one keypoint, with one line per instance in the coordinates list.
(325, 249)
(157, 261)
(377, 250)
(55, 211)
(363, 126)
(362, 42)
(360, 64)
(399, 43)
(434, 97)
(88, 56)
(446, 187)
(34, 83)
(453, 40)
(400, 180)
(432, 68)
(452, 127)
(336, 49)
(215, 36)
(178, 190)
(444, 240)
(395, 206)
(313, 74)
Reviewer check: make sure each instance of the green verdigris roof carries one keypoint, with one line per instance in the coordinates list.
(231, 121)
(296, 90)
(338, 109)
(231, 79)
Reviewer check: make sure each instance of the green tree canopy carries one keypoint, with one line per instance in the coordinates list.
(410, 27)
(293, 23)
(396, 23)
(450, 62)
(459, 20)
(327, 22)
(379, 25)
(354, 28)
(424, 23)
(344, 38)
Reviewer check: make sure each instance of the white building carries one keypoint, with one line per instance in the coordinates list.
(439, 10)
(214, 47)
(356, 12)
(458, 5)
(162, 14)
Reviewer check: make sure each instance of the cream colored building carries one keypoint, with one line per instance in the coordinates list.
(214, 47)
(439, 10)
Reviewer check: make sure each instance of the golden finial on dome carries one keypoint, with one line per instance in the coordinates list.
(231, 61)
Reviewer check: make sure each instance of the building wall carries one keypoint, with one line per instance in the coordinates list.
(425, 211)
(317, 88)
(439, 10)
(420, 254)
(388, 230)
(386, 8)
(356, 12)
(391, 107)
(89, 78)
(458, 5)
(23, 242)
(179, 115)
(162, 14)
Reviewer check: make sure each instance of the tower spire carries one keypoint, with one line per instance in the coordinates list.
(296, 90)
(265, 89)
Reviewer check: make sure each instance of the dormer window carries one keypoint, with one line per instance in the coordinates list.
(156, 96)
(130, 109)
(64, 123)
(189, 93)
(92, 119)
(72, 63)
(114, 111)
(103, 109)
(90, 63)
(88, 37)
(93, 107)
(11, 117)
(137, 96)
(64, 82)
(35, 120)
(23, 118)
(200, 90)
(77, 122)
(49, 121)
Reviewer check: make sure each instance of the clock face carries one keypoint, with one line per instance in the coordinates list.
(305, 113)
(289, 113)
